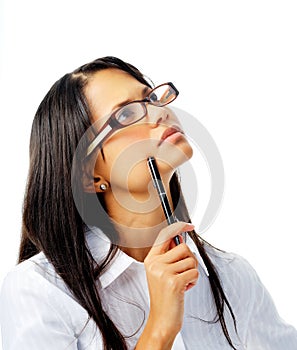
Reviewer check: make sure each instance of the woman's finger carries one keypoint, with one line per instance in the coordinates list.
(180, 252)
(184, 265)
(163, 241)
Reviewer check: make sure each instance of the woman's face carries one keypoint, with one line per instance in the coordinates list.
(126, 150)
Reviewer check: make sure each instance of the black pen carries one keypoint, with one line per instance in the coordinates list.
(158, 184)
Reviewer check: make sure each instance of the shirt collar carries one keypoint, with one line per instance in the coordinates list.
(99, 245)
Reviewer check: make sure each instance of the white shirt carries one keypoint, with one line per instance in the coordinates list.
(37, 311)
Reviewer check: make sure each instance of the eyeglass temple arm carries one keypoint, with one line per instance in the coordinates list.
(101, 136)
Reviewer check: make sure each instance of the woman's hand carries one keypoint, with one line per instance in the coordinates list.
(171, 270)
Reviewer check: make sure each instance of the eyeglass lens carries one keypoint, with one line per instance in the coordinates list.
(160, 96)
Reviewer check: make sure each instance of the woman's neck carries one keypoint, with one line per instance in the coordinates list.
(138, 220)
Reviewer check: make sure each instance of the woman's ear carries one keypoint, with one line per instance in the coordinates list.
(95, 184)
(93, 181)
(100, 184)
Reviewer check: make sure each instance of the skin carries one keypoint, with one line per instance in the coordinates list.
(133, 203)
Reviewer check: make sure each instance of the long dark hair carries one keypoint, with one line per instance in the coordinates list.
(51, 221)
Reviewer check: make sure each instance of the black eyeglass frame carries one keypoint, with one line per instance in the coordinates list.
(114, 124)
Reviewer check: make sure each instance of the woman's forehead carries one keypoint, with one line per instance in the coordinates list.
(110, 87)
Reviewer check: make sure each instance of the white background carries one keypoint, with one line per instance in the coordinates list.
(234, 63)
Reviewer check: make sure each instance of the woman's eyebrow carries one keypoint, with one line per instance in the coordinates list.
(145, 91)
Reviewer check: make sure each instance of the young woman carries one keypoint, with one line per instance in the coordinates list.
(98, 266)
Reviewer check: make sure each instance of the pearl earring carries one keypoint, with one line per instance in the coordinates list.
(103, 187)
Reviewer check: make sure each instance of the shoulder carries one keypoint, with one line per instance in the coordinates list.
(229, 262)
(33, 291)
(35, 272)
(21, 275)
(34, 281)
(240, 282)
(234, 270)
(37, 311)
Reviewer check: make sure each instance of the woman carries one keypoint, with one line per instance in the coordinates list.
(98, 266)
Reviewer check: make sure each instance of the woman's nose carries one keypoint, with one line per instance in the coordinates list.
(156, 115)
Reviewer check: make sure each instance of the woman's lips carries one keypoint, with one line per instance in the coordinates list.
(168, 132)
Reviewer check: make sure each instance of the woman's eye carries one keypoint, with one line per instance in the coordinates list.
(153, 97)
(126, 115)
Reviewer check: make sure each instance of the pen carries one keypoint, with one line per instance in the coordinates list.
(158, 184)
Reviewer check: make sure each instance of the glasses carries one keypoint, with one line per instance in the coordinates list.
(132, 112)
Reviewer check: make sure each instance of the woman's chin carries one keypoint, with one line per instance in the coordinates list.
(171, 156)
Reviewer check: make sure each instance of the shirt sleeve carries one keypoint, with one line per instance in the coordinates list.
(266, 329)
(29, 320)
